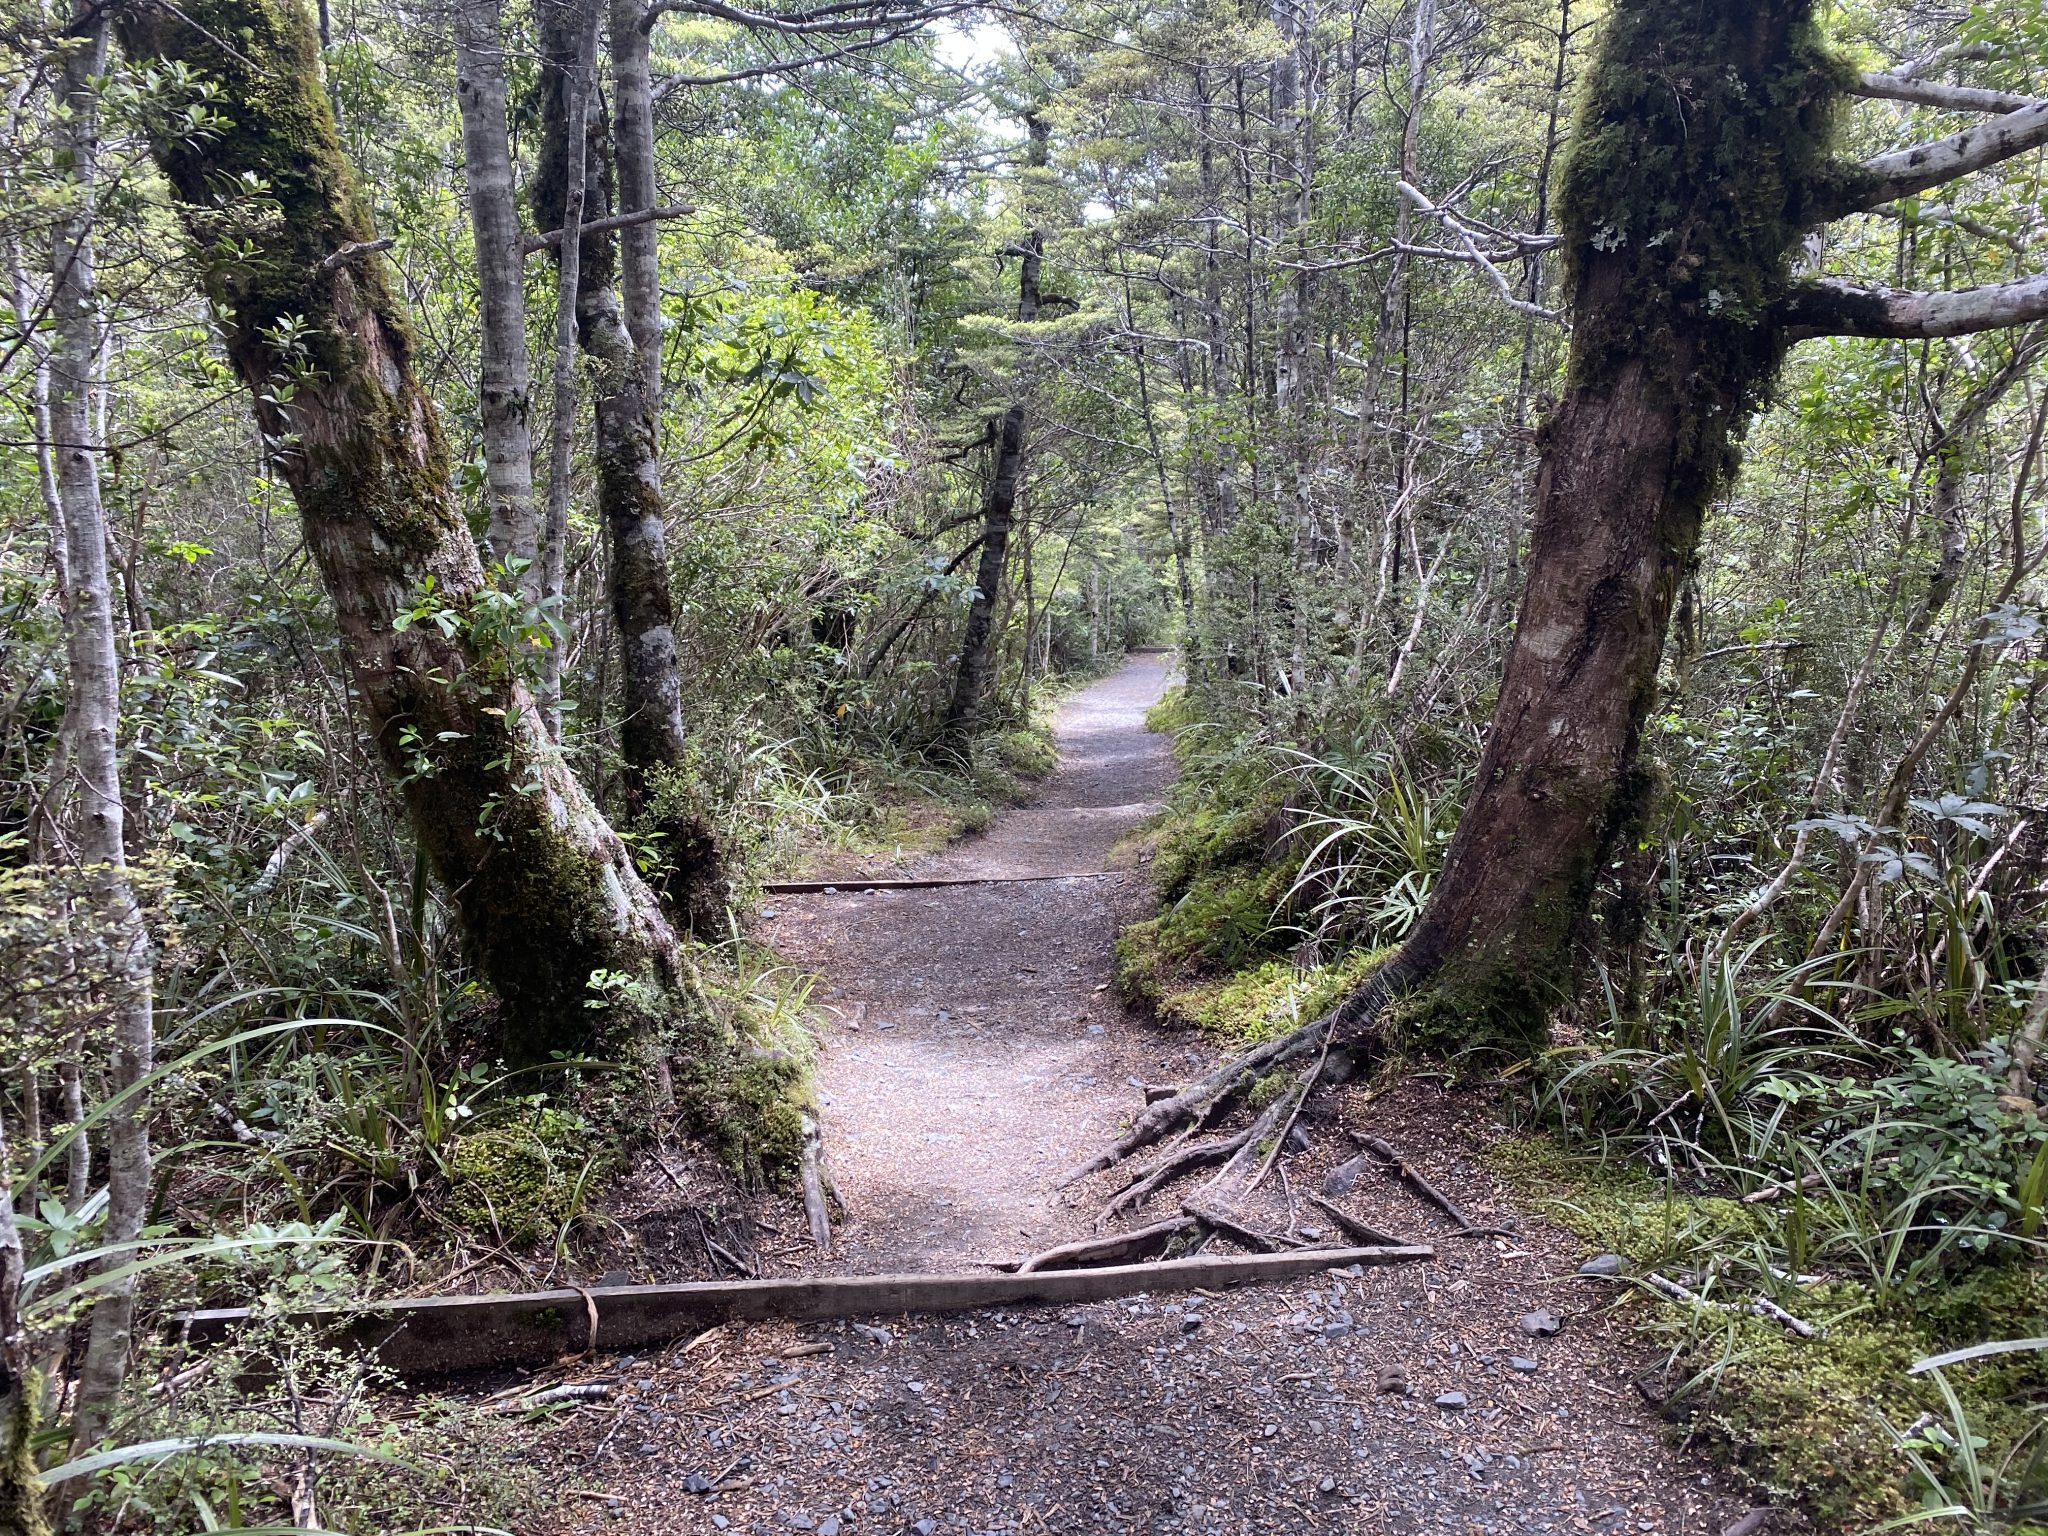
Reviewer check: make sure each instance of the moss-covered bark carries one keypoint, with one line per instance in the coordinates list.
(547, 892)
(1700, 158)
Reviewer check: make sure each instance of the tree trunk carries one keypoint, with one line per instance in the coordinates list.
(652, 738)
(505, 384)
(999, 507)
(24, 1509)
(574, 31)
(1676, 261)
(640, 245)
(120, 951)
(547, 893)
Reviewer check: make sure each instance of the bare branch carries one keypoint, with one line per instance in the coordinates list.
(354, 249)
(1830, 307)
(1454, 226)
(852, 16)
(617, 221)
(1927, 93)
(1907, 171)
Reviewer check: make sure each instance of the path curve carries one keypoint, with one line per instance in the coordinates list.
(1255, 1413)
(972, 1053)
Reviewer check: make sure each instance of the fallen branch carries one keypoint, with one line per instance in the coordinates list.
(1761, 1306)
(1397, 1167)
(443, 1335)
(814, 1186)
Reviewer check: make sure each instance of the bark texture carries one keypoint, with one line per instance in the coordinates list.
(547, 892)
(92, 719)
(653, 740)
(1676, 265)
(505, 382)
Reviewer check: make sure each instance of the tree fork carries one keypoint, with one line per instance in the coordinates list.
(546, 891)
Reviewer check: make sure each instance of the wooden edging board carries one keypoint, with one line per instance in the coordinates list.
(446, 1335)
(854, 886)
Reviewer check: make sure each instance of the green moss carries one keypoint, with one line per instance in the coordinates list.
(1174, 710)
(522, 1179)
(1269, 999)
(1703, 149)
(1031, 753)
(1222, 921)
(742, 1057)
(24, 1506)
(1488, 1004)
(1803, 1418)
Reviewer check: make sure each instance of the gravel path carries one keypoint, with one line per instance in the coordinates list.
(973, 1055)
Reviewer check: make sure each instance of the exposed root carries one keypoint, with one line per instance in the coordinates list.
(1168, 1115)
(1116, 1249)
(1254, 1238)
(1358, 1231)
(1347, 1026)
(1148, 1181)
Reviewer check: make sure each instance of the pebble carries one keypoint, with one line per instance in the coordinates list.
(872, 1334)
(1452, 1400)
(696, 1482)
(1540, 1324)
(720, 1521)
(829, 1526)
(1394, 1379)
(885, 1023)
(1604, 1266)
(925, 1527)
(1521, 1363)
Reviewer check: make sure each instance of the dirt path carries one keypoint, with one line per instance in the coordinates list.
(974, 1056)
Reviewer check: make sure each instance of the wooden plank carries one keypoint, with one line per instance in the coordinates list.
(446, 1335)
(854, 886)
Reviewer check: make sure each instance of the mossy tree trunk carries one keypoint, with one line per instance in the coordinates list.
(1700, 151)
(546, 891)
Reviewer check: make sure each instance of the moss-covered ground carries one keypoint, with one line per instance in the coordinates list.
(1816, 1421)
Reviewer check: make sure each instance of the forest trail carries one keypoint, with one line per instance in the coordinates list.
(972, 1051)
(1003, 1064)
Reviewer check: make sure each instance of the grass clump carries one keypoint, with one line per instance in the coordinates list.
(1837, 1422)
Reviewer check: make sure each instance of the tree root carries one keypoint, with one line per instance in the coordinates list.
(1358, 1231)
(1198, 1097)
(1227, 1224)
(1115, 1249)
(1351, 1024)
(1150, 1179)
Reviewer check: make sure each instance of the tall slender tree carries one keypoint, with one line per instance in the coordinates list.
(92, 722)
(974, 677)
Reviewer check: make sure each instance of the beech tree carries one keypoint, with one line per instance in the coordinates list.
(1702, 159)
(548, 894)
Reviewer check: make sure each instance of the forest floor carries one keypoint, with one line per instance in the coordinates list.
(973, 1054)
